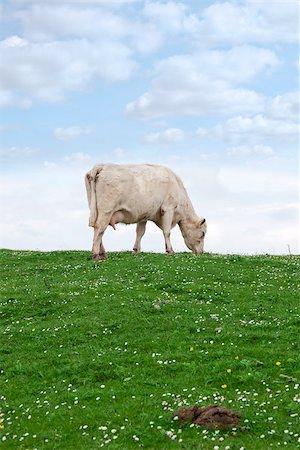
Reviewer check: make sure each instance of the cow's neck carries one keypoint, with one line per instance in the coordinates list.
(187, 215)
(189, 212)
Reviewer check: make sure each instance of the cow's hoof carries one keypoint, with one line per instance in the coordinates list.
(135, 251)
(99, 257)
(170, 252)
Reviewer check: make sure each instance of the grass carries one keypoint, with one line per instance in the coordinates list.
(104, 354)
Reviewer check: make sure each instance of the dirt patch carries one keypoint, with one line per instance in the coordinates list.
(212, 416)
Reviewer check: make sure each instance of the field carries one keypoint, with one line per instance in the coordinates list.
(103, 354)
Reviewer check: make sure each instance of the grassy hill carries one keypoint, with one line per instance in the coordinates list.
(104, 354)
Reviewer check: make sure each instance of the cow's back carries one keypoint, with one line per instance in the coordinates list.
(138, 189)
(140, 177)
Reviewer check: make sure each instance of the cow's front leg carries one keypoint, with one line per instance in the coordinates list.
(166, 225)
(169, 249)
(140, 231)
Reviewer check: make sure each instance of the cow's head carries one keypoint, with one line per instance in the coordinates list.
(193, 233)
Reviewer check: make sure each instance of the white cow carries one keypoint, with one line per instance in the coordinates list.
(135, 193)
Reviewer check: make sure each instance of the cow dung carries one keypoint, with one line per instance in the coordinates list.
(212, 416)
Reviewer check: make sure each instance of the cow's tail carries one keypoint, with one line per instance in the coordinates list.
(90, 184)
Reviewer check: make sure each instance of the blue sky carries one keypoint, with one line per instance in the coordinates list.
(207, 88)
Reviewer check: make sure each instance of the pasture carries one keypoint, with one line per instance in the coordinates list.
(103, 354)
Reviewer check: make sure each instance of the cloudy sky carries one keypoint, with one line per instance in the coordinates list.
(208, 88)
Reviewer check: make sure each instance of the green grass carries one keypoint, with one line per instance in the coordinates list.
(104, 354)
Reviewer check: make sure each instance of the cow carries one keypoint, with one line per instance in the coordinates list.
(136, 193)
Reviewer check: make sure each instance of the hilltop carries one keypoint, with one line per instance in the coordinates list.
(97, 354)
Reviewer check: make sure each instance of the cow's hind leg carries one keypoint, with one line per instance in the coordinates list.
(140, 231)
(98, 251)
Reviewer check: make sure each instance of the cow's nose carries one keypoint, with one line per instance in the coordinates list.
(198, 252)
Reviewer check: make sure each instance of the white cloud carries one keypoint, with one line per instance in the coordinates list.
(285, 106)
(170, 16)
(82, 45)
(46, 22)
(205, 83)
(119, 153)
(242, 180)
(77, 158)
(236, 23)
(252, 22)
(50, 165)
(112, 4)
(28, 71)
(13, 41)
(255, 211)
(69, 133)
(201, 132)
(17, 152)
(93, 22)
(254, 150)
(247, 210)
(38, 207)
(254, 129)
(254, 232)
(168, 136)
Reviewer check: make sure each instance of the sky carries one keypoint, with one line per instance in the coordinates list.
(207, 88)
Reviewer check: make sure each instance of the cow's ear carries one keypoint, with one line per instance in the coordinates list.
(202, 221)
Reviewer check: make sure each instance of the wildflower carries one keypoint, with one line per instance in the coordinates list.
(224, 386)
(191, 349)
(278, 363)
(228, 370)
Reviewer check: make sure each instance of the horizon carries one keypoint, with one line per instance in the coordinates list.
(151, 252)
